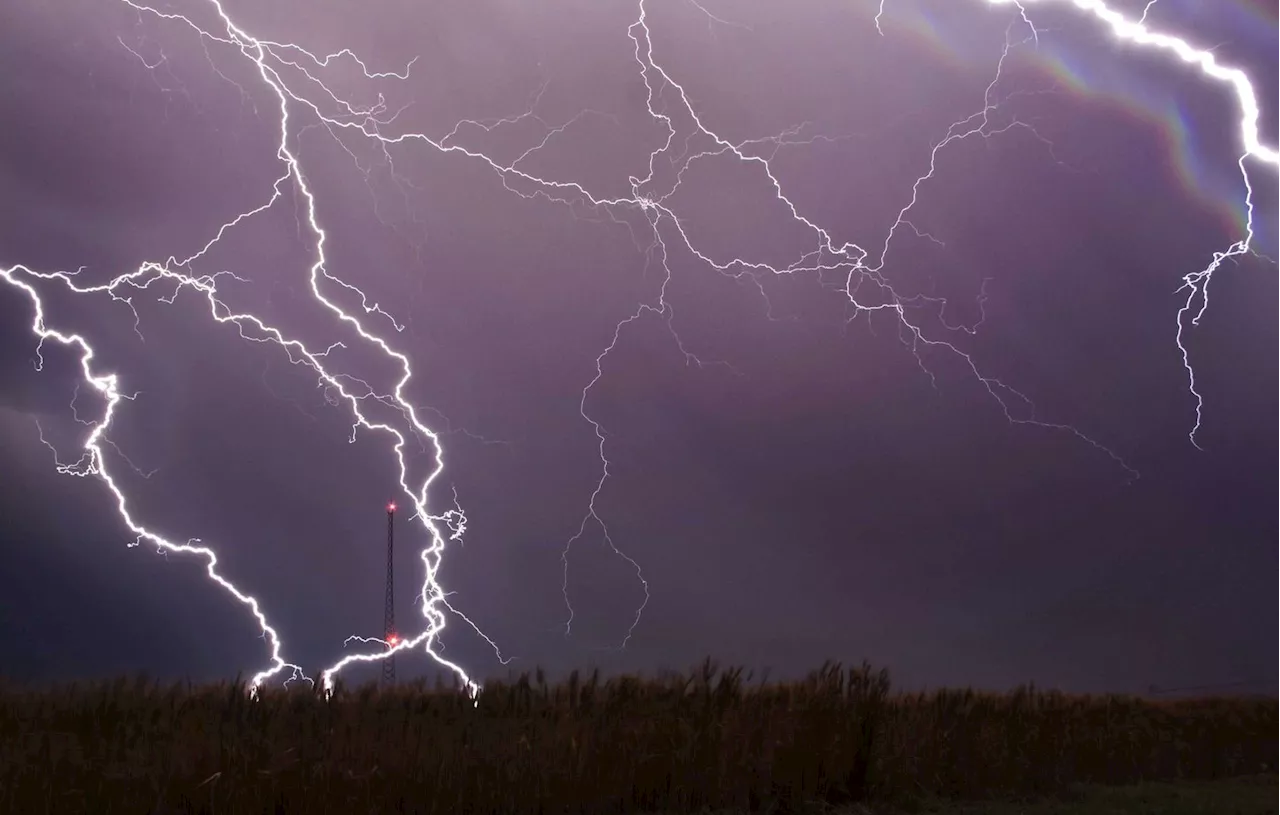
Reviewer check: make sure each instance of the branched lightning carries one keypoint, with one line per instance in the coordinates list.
(688, 140)
(93, 460)
(1196, 284)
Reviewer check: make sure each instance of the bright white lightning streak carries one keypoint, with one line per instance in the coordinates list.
(1196, 284)
(824, 257)
(93, 462)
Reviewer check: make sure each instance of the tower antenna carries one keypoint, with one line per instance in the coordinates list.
(389, 612)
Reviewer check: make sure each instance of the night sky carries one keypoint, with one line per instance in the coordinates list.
(796, 480)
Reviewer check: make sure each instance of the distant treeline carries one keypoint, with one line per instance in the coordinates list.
(710, 739)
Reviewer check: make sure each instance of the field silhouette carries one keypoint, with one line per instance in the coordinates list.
(708, 739)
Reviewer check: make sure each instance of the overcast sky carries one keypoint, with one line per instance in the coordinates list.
(796, 480)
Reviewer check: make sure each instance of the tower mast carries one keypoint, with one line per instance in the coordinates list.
(389, 612)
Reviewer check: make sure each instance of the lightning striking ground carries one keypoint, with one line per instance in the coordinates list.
(650, 197)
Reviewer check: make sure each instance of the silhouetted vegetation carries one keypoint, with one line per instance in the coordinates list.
(711, 739)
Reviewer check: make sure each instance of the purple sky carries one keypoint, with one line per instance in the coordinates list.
(813, 489)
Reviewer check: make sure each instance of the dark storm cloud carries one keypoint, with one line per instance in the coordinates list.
(816, 497)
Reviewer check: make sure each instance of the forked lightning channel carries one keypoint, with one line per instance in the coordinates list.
(688, 140)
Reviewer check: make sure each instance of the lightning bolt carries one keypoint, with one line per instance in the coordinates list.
(688, 140)
(93, 461)
(1195, 284)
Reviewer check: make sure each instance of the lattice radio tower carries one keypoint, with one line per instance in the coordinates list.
(389, 612)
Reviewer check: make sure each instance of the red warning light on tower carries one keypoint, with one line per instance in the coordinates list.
(391, 507)
(392, 640)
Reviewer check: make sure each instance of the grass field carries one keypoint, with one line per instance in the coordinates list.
(1248, 795)
(837, 742)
